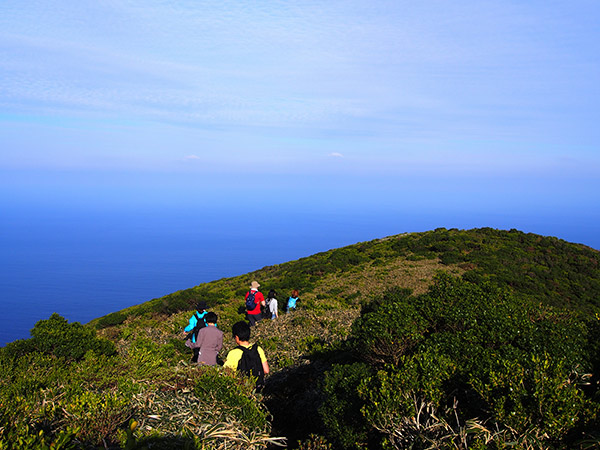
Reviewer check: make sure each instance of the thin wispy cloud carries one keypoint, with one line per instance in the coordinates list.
(386, 78)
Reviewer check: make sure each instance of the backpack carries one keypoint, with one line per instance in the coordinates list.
(200, 323)
(250, 364)
(291, 303)
(250, 303)
(266, 313)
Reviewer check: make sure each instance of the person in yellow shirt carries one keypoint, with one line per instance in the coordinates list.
(246, 357)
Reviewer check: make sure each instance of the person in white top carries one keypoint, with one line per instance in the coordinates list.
(272, 303)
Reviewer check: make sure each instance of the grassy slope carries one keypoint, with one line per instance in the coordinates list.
(333, 284)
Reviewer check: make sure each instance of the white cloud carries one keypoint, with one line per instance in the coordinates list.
(336, 155)
(191, 157)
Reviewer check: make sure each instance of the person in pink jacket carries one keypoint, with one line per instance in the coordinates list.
(209, 341)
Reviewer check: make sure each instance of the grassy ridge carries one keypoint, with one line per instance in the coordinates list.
(551, 270)
(376, 319)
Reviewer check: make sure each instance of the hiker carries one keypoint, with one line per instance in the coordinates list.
(291, 304)
(209, 341)
(254, 297)
(196, 322)
(272, 305)
(247, 358)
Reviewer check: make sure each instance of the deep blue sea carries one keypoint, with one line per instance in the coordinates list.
(87, 245)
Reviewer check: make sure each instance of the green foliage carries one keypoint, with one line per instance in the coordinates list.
(17, 348)
(541, 393)
(388, 328)
(43, 396)
(341, 410)
(144, 360)
(49, 399)
(57, 337)
(545, 268)
(314, 442)
(230, 396)
(98, 416)
(502, 359)
(26, 438)
(427, 374)
(311, 344)
(112, 319)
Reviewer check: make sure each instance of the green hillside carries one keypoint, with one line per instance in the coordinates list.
(445, 339)
(549, 269)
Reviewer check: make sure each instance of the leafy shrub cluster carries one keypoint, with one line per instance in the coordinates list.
(447, 366)
(235, 394)
(56, 336)
(548, 269)
(112, 319)
(139, 398)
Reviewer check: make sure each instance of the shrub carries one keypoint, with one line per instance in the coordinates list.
(145, 360)
(541, 393)
(230, 396)
(98, 416)
(314, 442)
(388, 328)
(473, 351)
(51, 399)
(17, 348)
(26, 438)
(341, 409)
(57, 337)
(112, 319)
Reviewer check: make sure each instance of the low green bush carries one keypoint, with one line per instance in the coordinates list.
(231, 396)
(26, 438)
(463, 352)
(112, 319)
(542, 393)
(388, 328)
(98, 416)
(56, 336)
(341, 410)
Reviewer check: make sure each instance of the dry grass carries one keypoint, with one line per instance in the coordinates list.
(176, 410)
(289, 339)
(371, 280)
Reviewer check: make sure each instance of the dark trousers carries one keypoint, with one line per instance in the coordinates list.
(196, 353)
(253, 318)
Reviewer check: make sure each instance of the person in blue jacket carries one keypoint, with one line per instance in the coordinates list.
(292, 301)
(196, 322)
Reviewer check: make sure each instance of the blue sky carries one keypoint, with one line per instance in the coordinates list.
(497, 96)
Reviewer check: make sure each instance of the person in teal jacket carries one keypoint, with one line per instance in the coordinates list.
(197, 321)
(292, 301)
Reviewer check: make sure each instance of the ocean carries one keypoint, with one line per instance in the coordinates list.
(85, 249)
(85, 266)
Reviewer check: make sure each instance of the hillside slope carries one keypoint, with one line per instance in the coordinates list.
(335, 284)
(548, 269)
(474, 318)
